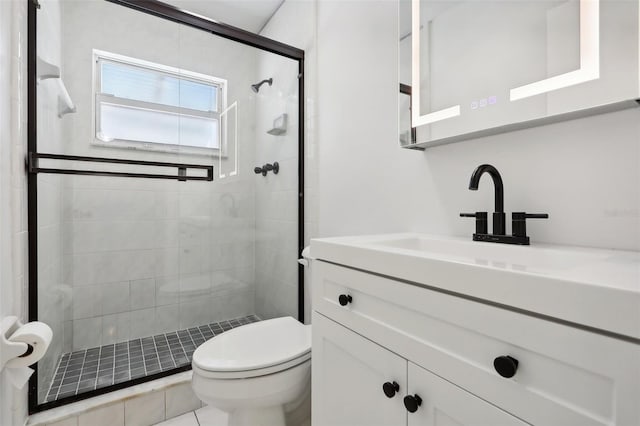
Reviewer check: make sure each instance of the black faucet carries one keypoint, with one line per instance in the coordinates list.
(519, 229)
(275, 167)
(499, 227)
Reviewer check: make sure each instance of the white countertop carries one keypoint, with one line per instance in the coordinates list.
(592, 287)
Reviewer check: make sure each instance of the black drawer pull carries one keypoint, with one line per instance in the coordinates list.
(506, 366)
(345, 299)
(412, 402)
(390, 389)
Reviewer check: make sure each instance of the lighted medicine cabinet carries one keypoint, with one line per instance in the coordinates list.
(476, 68)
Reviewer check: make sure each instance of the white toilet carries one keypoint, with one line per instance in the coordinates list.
(257, 373)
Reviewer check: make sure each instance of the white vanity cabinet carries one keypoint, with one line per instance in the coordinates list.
(369, 329)
(445, 404)
(349, 372)
(348, 375)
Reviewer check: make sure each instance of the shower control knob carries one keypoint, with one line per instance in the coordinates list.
(345, 299)
(390, 389)
(412, 402)
(506, 366)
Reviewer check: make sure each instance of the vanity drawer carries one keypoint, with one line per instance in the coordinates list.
(565, 375)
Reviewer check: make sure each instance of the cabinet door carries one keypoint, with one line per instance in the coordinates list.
(349, 372)
(444, 404)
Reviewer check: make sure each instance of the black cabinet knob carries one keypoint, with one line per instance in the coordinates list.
(506, 366)
(345, 299)
(412, 402)
(390, 389)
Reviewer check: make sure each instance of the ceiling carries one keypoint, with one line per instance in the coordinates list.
(250, 15)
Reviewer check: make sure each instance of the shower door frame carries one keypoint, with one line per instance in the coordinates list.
(163, 11)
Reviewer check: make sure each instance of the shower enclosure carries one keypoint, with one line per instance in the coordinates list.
(149, 229)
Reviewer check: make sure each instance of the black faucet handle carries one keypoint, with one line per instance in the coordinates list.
(536, 216)
(523, 216)
(481, 221)
(477, 215)
(519, 222)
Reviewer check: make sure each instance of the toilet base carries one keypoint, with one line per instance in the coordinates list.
(267, 416)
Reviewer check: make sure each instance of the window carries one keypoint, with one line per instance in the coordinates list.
(149, 106)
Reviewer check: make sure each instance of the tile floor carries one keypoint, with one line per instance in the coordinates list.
(89, 369)
(205, 416)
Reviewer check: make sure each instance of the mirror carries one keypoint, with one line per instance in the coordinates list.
(476, 67)
(408, 134)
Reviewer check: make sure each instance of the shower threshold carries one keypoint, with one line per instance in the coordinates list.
(90, 369)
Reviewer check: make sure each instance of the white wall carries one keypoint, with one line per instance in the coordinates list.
(13, 224)
(585, 173)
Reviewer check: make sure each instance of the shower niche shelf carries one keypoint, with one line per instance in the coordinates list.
(279, 126)
(47, 71)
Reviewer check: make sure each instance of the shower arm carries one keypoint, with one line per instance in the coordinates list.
(256, 87)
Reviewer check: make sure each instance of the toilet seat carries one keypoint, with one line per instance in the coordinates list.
(247, 374)
(253, 350)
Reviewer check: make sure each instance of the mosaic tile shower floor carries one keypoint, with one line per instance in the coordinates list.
(89, 369)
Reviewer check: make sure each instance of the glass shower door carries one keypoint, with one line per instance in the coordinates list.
(153, 232)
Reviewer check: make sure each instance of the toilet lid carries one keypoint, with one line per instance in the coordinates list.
(254, 346)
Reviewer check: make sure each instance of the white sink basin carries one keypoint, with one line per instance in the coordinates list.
(590, 287)
(522, 258)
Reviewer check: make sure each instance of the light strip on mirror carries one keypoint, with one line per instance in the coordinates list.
(416, 118)
(589, 57)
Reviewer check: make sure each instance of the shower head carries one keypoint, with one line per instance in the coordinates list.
(256, 87)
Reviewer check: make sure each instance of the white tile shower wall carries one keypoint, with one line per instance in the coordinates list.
(277, 195)
(144, 256)
(54, 295)
(584, 173)
(13, 223)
